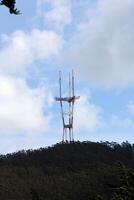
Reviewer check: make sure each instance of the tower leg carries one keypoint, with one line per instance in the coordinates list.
(70, 138)
(63, 136)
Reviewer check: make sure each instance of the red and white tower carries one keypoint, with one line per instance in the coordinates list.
(67, 117)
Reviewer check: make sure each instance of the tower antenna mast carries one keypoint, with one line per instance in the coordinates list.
(67, 117)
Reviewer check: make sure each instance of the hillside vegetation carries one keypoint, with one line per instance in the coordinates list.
(76, 171)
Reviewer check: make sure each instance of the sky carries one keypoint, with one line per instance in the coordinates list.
(95, 38)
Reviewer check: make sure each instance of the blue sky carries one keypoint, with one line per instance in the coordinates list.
(96, 39)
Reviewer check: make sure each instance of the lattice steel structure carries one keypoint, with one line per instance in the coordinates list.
(67, 117)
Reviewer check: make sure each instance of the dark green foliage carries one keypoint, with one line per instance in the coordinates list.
(80, 170)
(34, 194)
(125, 189)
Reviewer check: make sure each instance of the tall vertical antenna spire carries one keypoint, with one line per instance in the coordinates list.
(67, 117)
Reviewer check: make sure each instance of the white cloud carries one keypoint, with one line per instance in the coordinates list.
(23, 48)
(25, 111)
(22, 110)
(102, 49)
(87, 116)
(55, 12)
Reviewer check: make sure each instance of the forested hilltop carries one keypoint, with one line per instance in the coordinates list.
(76, 171)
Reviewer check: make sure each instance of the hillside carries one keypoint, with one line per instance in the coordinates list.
(80, 170)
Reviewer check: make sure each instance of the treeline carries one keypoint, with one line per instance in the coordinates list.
(80, 170)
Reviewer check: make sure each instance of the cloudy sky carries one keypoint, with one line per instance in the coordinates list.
(93, 37)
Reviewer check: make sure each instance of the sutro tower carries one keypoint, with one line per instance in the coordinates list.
(67, 117)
